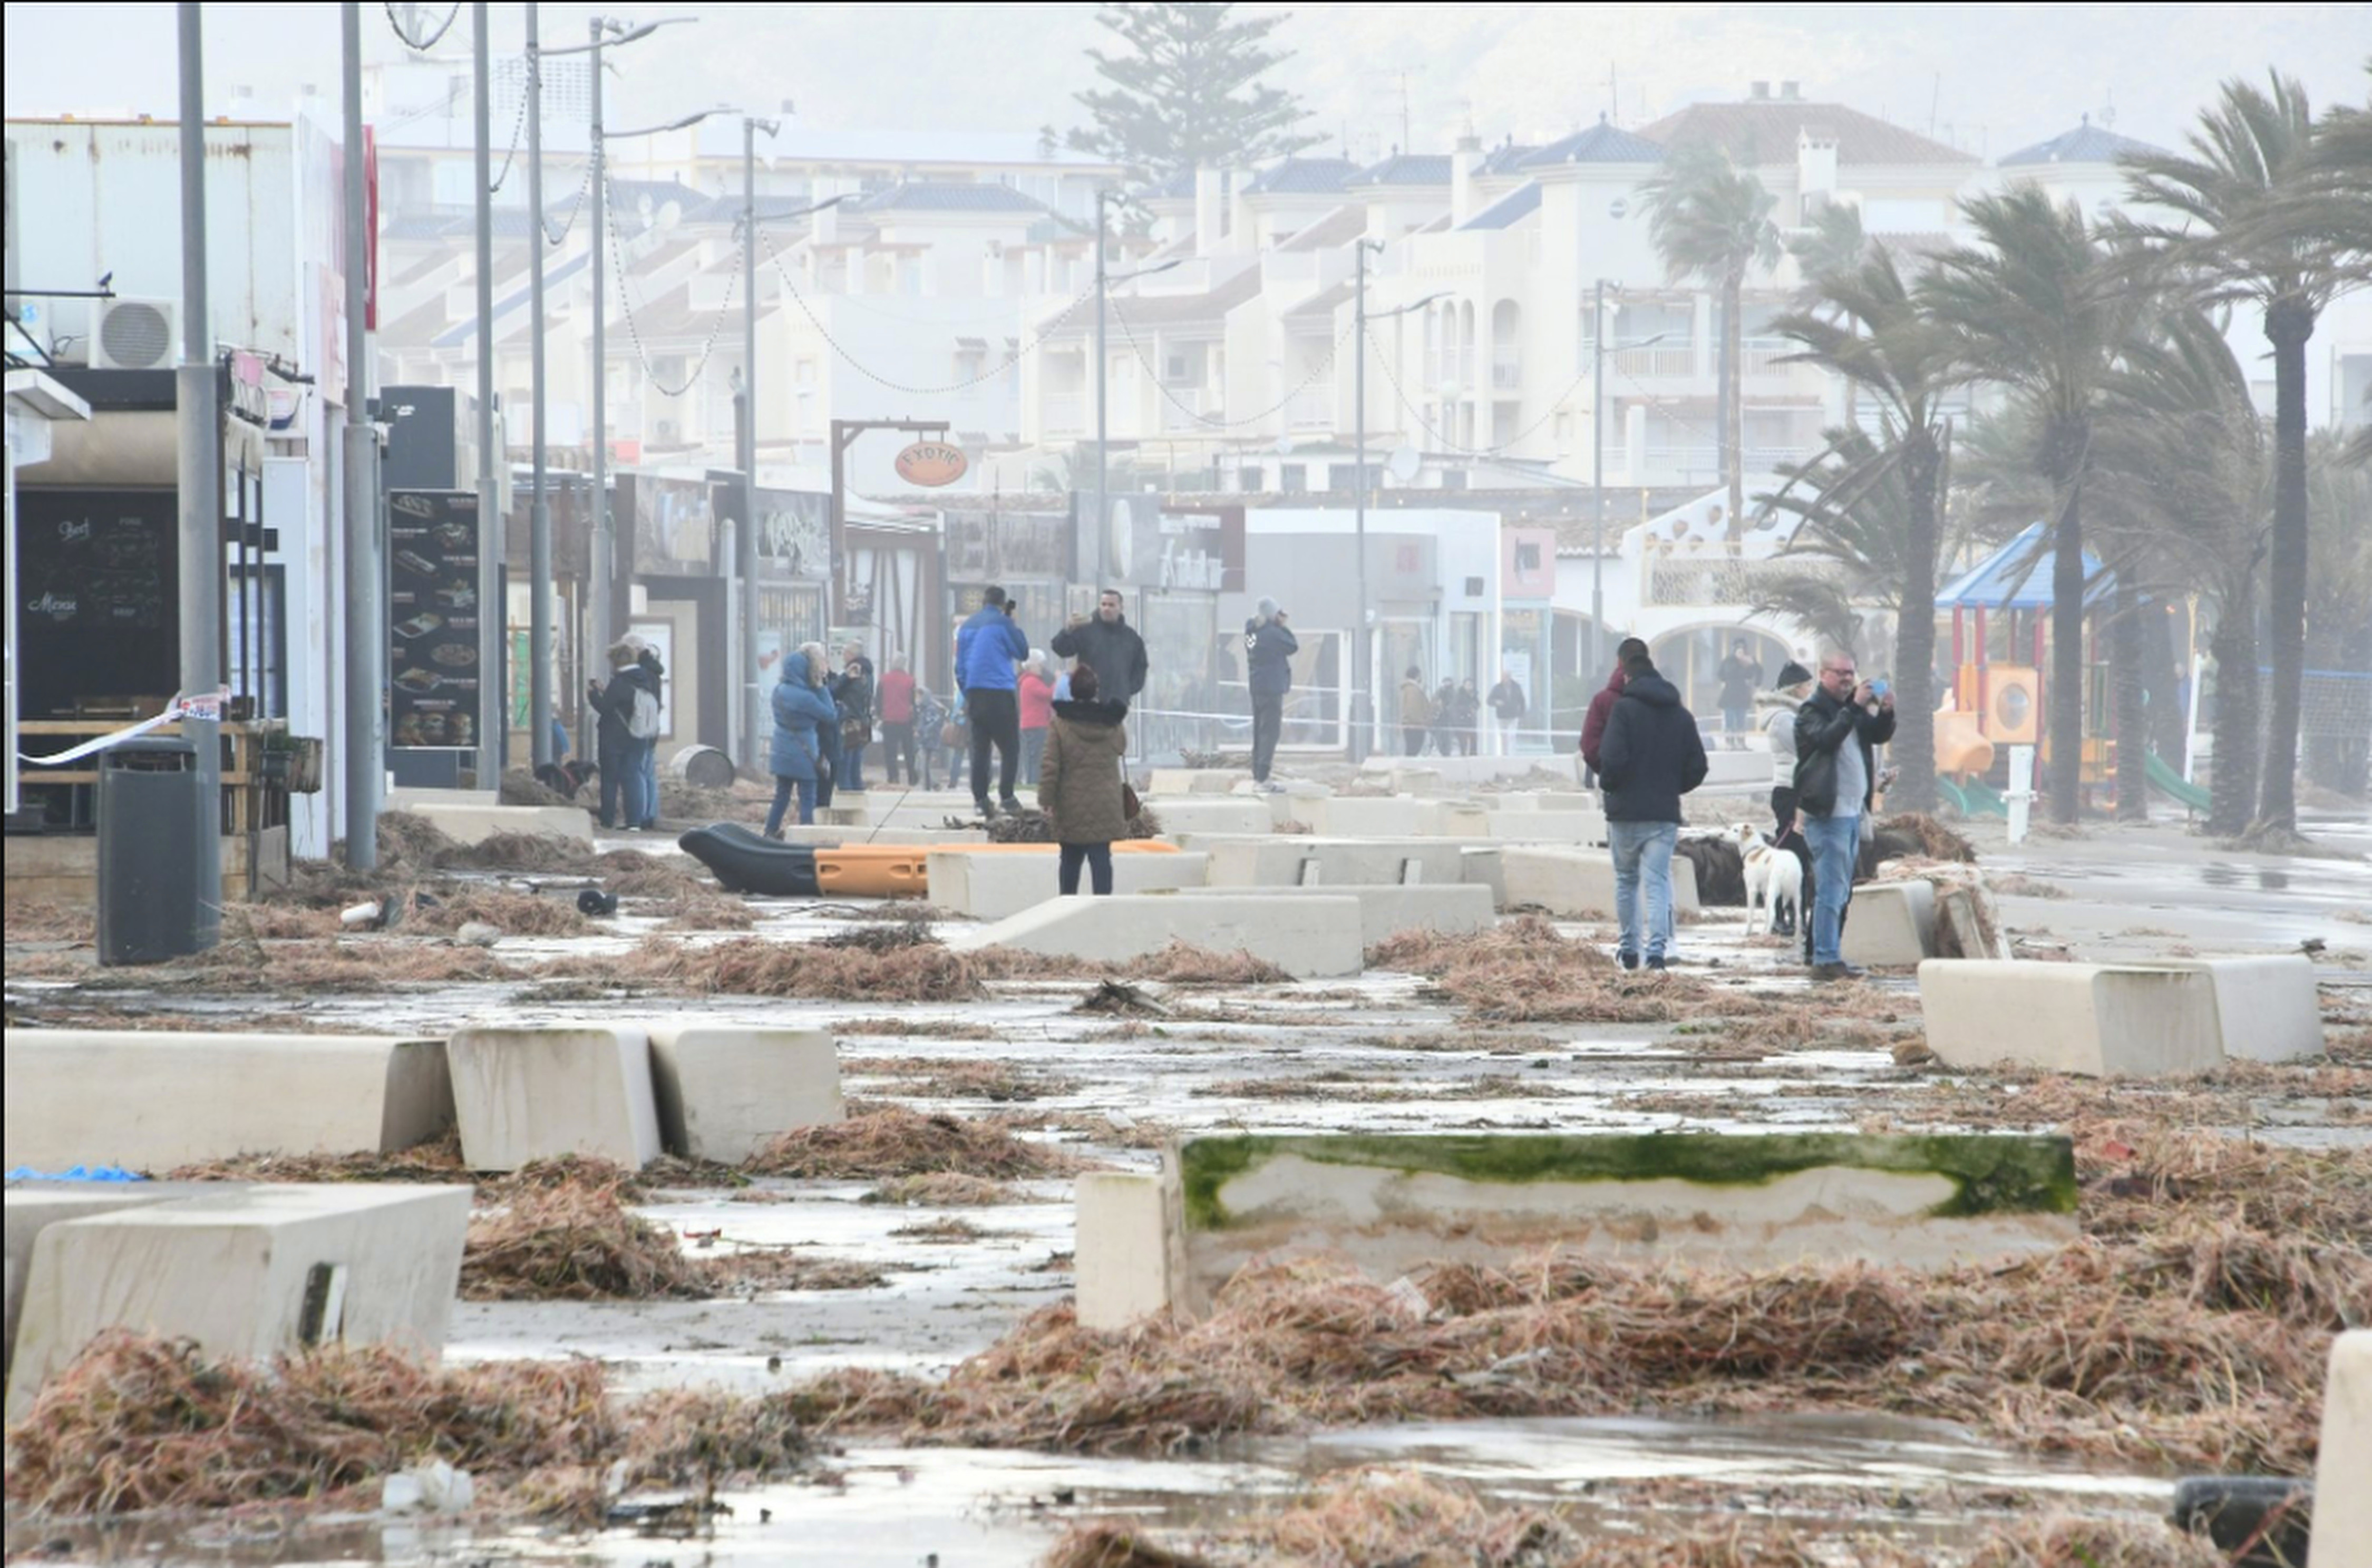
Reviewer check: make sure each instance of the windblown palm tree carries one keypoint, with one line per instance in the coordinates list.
(1871, 329)
(2236, 239)
(2040, 307)
(1711, 222)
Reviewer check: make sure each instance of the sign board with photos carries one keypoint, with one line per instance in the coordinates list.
(432, 609)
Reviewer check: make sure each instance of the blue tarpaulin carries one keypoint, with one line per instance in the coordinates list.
(2017, 577)
(79, 1173)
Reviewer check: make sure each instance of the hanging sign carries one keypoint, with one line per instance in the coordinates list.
(932, 463)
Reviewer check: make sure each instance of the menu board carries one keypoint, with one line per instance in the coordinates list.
(98, 612)
(433, 605)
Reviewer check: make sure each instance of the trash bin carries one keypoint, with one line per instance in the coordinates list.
(152, 810)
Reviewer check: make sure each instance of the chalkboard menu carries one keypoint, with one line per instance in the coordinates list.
(98, 607)
(433, 608)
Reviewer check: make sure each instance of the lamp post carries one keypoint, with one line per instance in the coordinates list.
(1361, 723)
(493, 708)
(539, 637)
(1597, 463)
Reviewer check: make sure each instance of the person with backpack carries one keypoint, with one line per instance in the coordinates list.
(625, 705)
(794, 756)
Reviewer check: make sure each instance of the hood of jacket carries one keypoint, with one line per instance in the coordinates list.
(1616, 681)
(1777, 702)
(1652, 689)
(1091, 714)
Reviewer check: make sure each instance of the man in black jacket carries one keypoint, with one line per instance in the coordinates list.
(1650, 757)
(1269, 647)
(1109, 646)
(1838, 731)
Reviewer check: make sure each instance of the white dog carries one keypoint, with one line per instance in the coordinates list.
(1772, 877)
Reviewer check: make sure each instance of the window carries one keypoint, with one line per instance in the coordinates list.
(258, 668)
(1341, 476)
(807, 372)
(1453, 478)
(1293, 479)
(1174, 368)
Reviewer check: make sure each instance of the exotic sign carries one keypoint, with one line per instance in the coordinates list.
(932, 463)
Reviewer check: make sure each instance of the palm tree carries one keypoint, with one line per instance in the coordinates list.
(1849, 542)
(2339, 610)
(1711, 223)
(2239, 240)
(1872, 330)
(2040, 308)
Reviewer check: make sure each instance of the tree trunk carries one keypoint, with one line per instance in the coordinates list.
(1733, 434)
(2128, 680)
(2233, 788)
(2062, 699)
(2289, 324)
(1915, 632)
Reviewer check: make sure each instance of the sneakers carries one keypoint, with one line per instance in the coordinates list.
(1832, 972)
(1628, 960)
(1657, 965)
(987, 812)
(1010, 805)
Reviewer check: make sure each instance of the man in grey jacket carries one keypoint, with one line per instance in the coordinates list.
(1269, 647)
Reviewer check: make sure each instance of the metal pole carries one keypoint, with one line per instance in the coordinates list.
(199, 450)
(1598, 478)
(605, 548)
(539, 657)
(1101, 522)
(493, 708)
(1360, 725)
(366, 727)
(745, 542)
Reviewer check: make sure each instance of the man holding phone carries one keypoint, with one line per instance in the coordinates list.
(1838, 731)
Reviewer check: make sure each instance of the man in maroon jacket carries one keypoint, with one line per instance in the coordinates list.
(1601, 707)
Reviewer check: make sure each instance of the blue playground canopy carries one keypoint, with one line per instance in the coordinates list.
(2017, 577)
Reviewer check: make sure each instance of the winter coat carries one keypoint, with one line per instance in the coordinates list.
(1037, 701)
(1079, 778)
(1738, 678)
(616, 704)
(1652, 754)
(799, 708)
(1822, 726)
(987, 647)
(1417, 705)
(1507, 702)
(853, 690)
(1269, 647)
(897, 697)
(1779, 725)
(1593, 723)
(1110, 648)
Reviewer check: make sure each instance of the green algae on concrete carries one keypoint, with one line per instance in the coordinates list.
(1991, 1174)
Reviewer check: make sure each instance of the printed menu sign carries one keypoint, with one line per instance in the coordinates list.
(432, 582)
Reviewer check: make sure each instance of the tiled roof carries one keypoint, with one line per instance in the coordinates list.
(1303, 177)
(1765, 131)
(728, 209)
(628, 195)
(932, 196)
(1599, 144)
(1340, 226)
(1509, 209)
(1406, 169)
(2086, 144)
(1179, 187)
(553, 275)
(1506, 158)
(1165, 309)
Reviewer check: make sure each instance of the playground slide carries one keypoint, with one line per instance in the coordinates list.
(2167, 782)
(1974, 797)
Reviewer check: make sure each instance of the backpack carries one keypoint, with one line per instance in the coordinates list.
(643, 723)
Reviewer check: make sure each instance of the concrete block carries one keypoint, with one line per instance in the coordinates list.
(1537, 827)
(525, 1094)
(1450, 909)
(33, 1207)
(1737, 770)
(154, 1100)
(1485, 866)
(1374, 816)
(723, 1089)
(1891, 925)
(1579, 884)
(2094, 1019)
(466, 818)
(991, 886)
(1212, 814)
(1278, 862)
(1166, 781)
(2266, 1008)
(1393, 1204)
(2343, 1502)
(858, 815)
(249, 1273)
(1306, 937)
(1123, 1251)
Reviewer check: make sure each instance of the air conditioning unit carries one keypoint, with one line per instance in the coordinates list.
(133, 334)
(667, 432)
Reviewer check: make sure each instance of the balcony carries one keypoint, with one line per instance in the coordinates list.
(1507, 372)
(1181, 408)
(1064, 413)
(1311, 409)
(1760, 357)
(1668, 360)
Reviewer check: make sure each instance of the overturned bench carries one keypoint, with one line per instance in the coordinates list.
(1389, 1204)
(2130, 1020)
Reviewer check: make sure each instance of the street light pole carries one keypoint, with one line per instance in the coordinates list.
(604, 565)
(198, 440)
(1597, 476)
(745, 542)
(539, 641)
(1103, 519)
(1361, 657)
(493, 715)
(366, 578)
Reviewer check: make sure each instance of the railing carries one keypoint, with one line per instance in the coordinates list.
(1507, 372)
(1312, 409)
(1665, 360)
(1760, 357)
(1175, 417)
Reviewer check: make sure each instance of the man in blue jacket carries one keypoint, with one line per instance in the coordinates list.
(989, 648)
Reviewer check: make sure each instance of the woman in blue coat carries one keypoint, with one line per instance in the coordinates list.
(793, 757)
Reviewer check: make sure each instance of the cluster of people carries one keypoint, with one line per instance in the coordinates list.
(1449, 718)
(823, 723)
(626, 735)
(1643, 744)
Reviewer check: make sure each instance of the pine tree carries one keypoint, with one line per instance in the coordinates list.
(1186, 92)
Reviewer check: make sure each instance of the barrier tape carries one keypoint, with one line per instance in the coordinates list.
(207, 709)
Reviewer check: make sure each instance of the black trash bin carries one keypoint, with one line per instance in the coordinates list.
(152, 812)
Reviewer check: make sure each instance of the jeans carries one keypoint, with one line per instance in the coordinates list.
(1737, 720)
(852, 759)
(624, 800)
(1099, 863)
(650, 750)
(1836, 843)
(1033, 753)
(1642, 856)
(995, 721)
(1268, 724)
(1412, 741)
(784, 787)
(898, 745)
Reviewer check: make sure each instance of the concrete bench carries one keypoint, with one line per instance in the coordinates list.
(1211, 814)
(2266, 1009)
(470, 817)
(1191, 781)
(2094, 1019)
(993, 886)
(248, 1272)
(1537, 827)
(1890, 924)
(1279, 862)
(1372, 817)
(1448, 909)
(2343, 1502)
(1579, 884)
(1391, 1204)
(1306, 937)
(530, 1094)
(33, 1206)
(722, 1090)
(151, 1101)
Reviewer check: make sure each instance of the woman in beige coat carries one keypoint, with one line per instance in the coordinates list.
(1080, 782)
